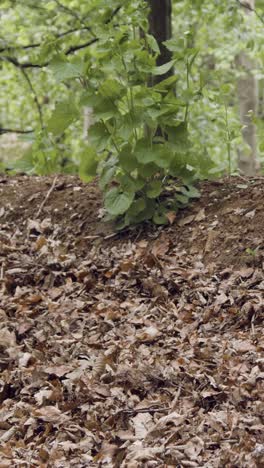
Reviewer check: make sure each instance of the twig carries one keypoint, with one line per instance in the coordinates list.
(2, 272)
(150, 409)
(47, 196)
(8, 434)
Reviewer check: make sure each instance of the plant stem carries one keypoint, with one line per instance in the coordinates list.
(188, 87)
(228, 141)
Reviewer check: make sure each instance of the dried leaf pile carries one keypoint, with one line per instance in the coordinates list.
(143, 349)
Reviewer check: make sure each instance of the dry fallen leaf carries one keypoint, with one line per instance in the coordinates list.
(50, 414)
(142, 422)
(148, 334)
(200, 215)
(136, 347)
(186, 220)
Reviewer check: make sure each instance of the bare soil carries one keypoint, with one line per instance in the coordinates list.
(136, 349)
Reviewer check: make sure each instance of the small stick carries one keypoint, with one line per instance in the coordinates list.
(8, 434)
(47, 196)
(2, 272)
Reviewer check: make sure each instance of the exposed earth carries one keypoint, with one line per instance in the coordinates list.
(136, 349)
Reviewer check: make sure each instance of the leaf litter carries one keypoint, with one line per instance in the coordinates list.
(142, 349)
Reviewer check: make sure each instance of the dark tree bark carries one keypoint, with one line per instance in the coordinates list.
(160, 28)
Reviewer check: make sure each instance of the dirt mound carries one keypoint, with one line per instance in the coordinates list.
(225, 226)
(143, 348)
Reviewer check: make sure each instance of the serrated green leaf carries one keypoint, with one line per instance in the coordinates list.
(118, 202)
(63, 115)
(64, 70)
(98, 136)
(111, 88)
(160, 154)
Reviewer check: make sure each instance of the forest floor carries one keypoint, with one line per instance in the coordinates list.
(138, 349)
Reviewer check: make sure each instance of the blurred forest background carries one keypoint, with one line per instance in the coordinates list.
(51, 51)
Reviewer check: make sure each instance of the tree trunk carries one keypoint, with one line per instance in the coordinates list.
(160, 28)
(248, 105)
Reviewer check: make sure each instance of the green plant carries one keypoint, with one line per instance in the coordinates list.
(57, 57)
(134, 162)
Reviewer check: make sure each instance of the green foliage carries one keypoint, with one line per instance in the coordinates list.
(147, 142)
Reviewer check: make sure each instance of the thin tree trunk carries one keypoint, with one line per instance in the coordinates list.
(87, 121)
(248, 105)
(160, 27)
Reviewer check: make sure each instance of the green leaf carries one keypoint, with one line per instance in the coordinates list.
(160, 218)
(154, 188)
(63, 115)
(111, 88)
(178, 134)
(64, 70)
(90, 98)
(137, 207)
(162, 69)
(190, 191)
(152, 43)
(144, 153)
(184, 200)
(127, 183)
(98, 136)
(88, 164)
(174, 45)
(121, 223)
(106, 176)
(145, 214)
(127, 159)
(118, 202)
(105, 109)
(147, 170)
(166, 84)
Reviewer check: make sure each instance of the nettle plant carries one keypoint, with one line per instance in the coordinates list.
(138, 143)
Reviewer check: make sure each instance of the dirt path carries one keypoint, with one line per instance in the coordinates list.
(142, 349)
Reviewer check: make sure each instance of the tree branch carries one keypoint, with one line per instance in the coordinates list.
(16, 63)
(14, 130)
(35, 96)
(69, 11)
(25, 65)
(38, 44)
(246, 5)
(69, 51)
(73, 49)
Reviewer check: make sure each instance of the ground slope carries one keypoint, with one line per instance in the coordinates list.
(140, 349)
